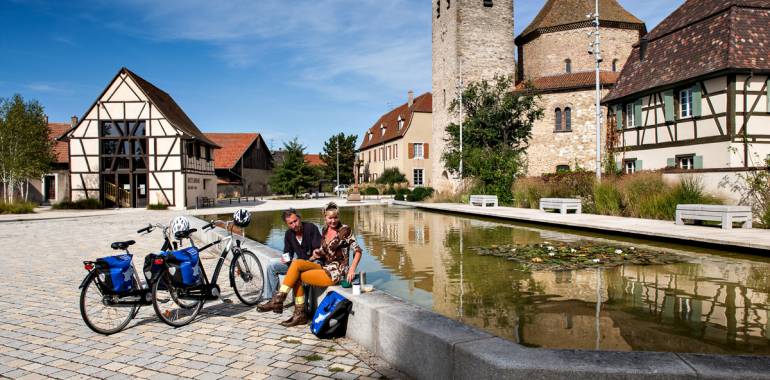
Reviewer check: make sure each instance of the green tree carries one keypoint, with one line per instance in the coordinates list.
(390, 176)
(347, 147)
(26, 149)
(293, 174)
(497, 127)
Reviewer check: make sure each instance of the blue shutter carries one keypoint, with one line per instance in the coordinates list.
(638, 113)
(619, 115)
(668, 104)
(638, 165)
(696, 100)
(697, 162)
(671, 163)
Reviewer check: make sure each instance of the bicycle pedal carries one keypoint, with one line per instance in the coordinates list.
(227, 300)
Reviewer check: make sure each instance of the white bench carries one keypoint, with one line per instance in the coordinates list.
(561, 204)
(717, 213)
(484, 200)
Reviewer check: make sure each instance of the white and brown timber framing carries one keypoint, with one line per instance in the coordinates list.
(135, 137)
(719, 51)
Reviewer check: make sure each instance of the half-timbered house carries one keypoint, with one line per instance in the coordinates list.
(243, 165)
(135, 146)
(694, 95)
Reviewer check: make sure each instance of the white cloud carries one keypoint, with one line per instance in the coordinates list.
(49, 88)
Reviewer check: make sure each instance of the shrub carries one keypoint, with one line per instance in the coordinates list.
(399, 197)
(371, 191)
(81, 204)
(607, 198)
(390, 176)
(419, 194)
(644, 195)
(528, 191)
(17, 208)
(390, 191)
(157, 206)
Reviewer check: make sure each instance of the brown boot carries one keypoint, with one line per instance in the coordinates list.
(298, 318)
(275, 304)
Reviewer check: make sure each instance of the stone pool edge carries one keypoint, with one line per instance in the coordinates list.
(425, 345)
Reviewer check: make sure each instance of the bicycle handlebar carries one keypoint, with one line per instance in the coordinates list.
(145, 229)
(209, 225)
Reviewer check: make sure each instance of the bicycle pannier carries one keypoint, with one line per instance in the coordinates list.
(152, 270)
(184, 266)
(331, 316)
(116, 273)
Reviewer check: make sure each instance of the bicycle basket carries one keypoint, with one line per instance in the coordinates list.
(184, 266)
(116, 273)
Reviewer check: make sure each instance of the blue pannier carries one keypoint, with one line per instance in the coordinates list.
(116, 273)
(331, 316)
(184, 266)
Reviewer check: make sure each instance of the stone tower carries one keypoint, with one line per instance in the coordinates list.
(553, 56)
(472, 39)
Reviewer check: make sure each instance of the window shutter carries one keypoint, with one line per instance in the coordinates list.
(767, 95)
(619, 116)
(638, 113)
(671, 163)
(697, 162)
(425, 150)
(696, 100)
(638, 165)
(411, 151)
(668, 104)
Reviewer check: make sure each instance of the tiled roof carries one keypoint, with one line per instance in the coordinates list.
(701, 37)
(61, 149)
(572, 81)
(314, 160)
(233, 147)
(374, 135)
(564, 12)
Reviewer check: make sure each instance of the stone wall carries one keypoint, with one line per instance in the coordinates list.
(545, 55)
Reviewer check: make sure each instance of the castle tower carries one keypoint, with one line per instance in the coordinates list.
(472, 39)
(553, 56)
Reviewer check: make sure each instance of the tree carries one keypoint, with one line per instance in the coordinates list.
(347, 147)
(293, 174)
(26, 149)
(496, 131)
(390, 176)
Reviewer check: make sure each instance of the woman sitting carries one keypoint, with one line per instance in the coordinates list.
(338, 239)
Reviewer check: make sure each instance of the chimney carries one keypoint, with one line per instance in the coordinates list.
(410, 102)
(46, 119)
(74, 121)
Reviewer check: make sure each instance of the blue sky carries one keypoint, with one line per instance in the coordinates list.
(305, 68)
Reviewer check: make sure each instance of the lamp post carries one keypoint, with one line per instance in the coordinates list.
(338, 161)
(460, 88)
(595, 49)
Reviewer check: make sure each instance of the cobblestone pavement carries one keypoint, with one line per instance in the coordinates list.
(43, 335)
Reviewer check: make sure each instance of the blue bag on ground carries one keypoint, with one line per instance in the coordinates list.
(184, 266)
(116, 273)
(331, 316)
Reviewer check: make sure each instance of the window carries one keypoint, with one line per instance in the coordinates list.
(562, 169)
(190, 148)
(417, 177)
(629, 166)
(685, 162)
(438, 8)
(685, 103)
(400, 122)
(630, 122)
(208, 153)
(418, 151)
(557, 120)
(197, 151)
(568, 119)
(614, 65)
(568, 65)
(487, 3)
(382, 129)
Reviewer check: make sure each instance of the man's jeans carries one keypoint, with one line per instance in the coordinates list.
(274, 269)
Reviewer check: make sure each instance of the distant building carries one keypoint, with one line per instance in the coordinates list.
(400, 139)
(53, 187)
(136, 146)
(243, 165)
(314, 160)
(694, 96)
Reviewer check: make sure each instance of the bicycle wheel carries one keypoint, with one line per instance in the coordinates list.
(247, 277)
(170, 308)
(98, 315)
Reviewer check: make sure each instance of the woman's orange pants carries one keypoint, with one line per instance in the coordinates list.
(303, 271)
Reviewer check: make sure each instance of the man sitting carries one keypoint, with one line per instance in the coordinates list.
(301, 239)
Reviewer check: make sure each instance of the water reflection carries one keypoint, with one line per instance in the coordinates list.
(715, 302)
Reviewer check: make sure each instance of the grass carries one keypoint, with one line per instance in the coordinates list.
(313, 358)
(157, 206)
(81, 204)
(335, 369)
(17, 208)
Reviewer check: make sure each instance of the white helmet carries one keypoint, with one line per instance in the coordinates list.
(179, 224)
(242, 217)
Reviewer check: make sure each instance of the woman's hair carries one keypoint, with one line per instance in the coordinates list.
(331, 207)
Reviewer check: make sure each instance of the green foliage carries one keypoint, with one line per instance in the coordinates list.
(17, 207)
(157, 206)
(754, 189)
(419, 194)
(528, 191)
(389, 191)
(347, 148)
(391, 176)
(399, 197)
(82, 204)
(496, 132)
(607, 198)
(293, 174)
(371, 191)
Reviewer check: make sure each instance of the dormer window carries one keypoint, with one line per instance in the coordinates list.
(568, 65)
(615, 65)
(382, 129)
(400, 122)
(487, 3)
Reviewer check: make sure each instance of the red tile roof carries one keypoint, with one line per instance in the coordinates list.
(61, 149)
(701, 37)
(572, 81)
(233, 145)
(374, 135)
(557, 13)
(314, 160)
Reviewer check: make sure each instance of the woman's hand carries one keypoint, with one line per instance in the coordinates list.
(351, 275)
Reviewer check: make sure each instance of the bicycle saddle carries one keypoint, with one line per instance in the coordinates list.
(122, 244)
(179, 235)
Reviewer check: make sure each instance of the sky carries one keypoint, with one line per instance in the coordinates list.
(302, 68)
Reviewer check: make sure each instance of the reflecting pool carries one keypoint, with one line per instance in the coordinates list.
(713, 302)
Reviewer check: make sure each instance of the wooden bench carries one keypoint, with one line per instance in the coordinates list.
(561, 204)
(483, 200)
(727, 215)
(203, 202)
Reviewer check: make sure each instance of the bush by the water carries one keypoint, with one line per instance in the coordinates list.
(157, 206)
(419, 194)
(391, 176)
(371, 191)
(401, 194)
(81, 204)
(390, 191)
(17, 208)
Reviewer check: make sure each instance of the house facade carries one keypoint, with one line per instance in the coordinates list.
(243, 164)
(135, 146)
(53, 187)
(694, 95)
(401, 139)
(553, 57)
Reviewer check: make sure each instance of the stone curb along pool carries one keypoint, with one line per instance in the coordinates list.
(425, 345)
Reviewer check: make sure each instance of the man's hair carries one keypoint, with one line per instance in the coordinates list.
(287, 213)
